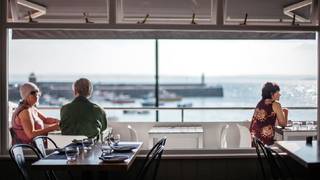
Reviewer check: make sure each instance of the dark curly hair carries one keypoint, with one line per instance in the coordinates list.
(269, 89)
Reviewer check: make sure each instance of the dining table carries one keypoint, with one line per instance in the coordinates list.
(90, 159)
(295, 133)
(305, 153)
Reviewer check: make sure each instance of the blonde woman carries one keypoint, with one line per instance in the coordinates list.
(27, 121)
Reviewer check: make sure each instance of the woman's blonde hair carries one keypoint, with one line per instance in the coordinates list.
(83, 87)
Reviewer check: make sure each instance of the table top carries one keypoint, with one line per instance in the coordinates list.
(89, 160)
(106, 131)
(307, 155)
(175, 129)
(302, 129)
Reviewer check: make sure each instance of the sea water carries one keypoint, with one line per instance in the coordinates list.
(244, 91)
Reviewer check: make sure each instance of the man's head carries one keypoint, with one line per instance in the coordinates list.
(82, 87)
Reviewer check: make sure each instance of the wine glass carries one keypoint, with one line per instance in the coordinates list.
(72, 152)
(116, 139)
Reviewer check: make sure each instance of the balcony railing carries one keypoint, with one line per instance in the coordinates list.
(192, 114)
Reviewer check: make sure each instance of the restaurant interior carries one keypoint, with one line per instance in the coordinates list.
(156, 149)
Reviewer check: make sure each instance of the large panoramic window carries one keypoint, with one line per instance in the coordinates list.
(201, 80)
(122, 73)
(217, 74)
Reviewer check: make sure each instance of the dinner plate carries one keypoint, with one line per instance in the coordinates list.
(114, 158)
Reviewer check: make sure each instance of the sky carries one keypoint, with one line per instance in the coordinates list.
(176, 57)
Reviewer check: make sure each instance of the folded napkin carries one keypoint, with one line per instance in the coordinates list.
(113, 158)
(123, 147)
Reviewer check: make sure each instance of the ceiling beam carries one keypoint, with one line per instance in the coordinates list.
(166, 27)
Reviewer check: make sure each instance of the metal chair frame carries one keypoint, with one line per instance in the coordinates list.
(154, 154)
(17, 155)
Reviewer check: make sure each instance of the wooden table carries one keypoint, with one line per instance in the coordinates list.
(158, 132)
(288, 133)
(307, 155)
(89, 161)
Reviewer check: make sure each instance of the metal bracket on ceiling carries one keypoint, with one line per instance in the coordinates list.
(245, 20)
(293, 23)
(86, 19)
(288, 10)
(144, 20)
(30, 18)
(193, 17)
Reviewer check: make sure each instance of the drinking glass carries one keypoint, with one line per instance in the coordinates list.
(309, 125)
(87, 143)
(72, 152)
(296, 125)
(116, 139)
(106, 149)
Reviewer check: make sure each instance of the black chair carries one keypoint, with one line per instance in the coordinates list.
(276, 163)
(17, 155)
(41, 142)
(278, 166)
(152, 159)
(259, 146)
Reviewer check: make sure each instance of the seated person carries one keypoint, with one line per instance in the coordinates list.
(27, 121)
(267, 113)
(82, 117)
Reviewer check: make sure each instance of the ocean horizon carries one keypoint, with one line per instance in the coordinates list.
(239, 91)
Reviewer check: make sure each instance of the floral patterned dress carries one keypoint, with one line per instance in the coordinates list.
(263, 122)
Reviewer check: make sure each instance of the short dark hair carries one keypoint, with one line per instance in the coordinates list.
(269, 89)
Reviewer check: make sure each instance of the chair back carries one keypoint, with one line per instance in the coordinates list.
(223, 136)
(153, 158)
(278, 166)
(245, 137)
(260, 148)
(41, 143)
(17, 155)
(133, 133)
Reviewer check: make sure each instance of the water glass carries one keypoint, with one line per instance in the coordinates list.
(72, 152)
(296, 125)
(87, 143)
(309, 125)
(116, 139)
(106, 149)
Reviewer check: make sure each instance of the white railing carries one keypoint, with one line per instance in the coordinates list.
(192, 114)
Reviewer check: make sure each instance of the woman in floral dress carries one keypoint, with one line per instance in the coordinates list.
(267, 113)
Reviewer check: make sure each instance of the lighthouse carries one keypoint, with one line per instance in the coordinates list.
(33, 78)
